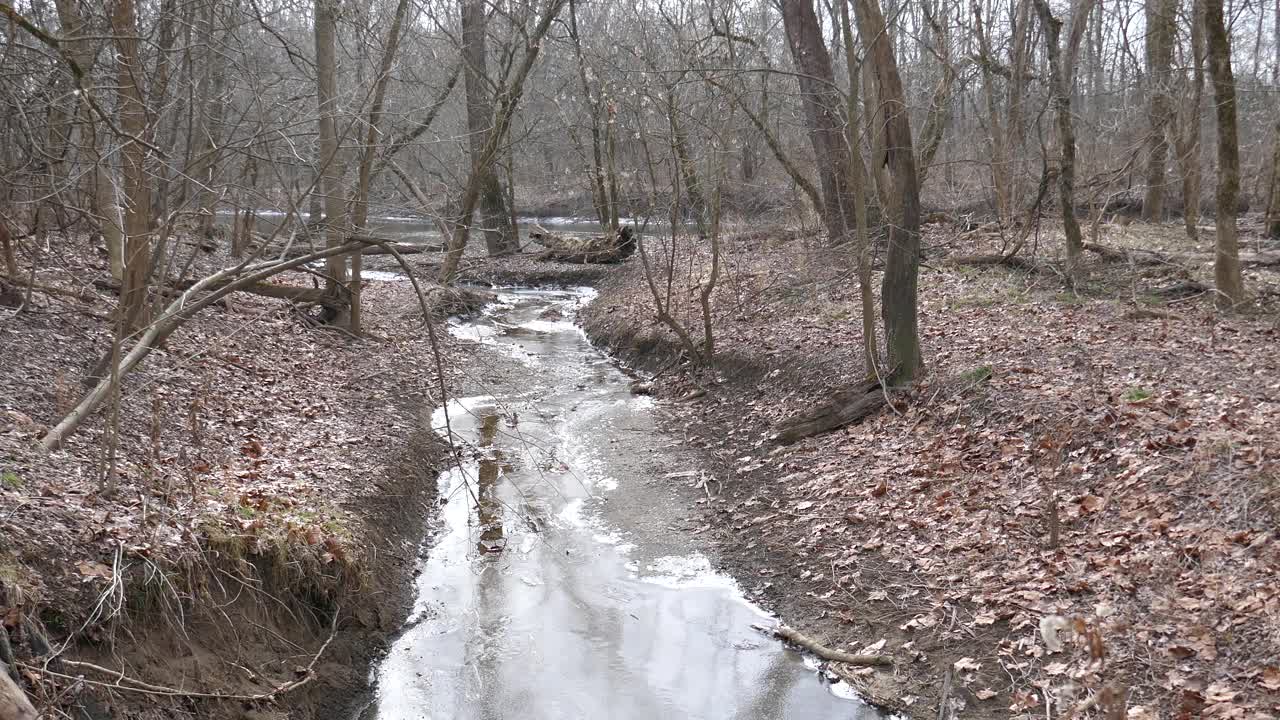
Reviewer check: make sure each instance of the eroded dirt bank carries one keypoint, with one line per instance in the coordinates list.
(273, 484)
(1107, 457)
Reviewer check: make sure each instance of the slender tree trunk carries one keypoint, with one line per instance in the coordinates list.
(939, 116)
(999, 147)
(857, 186)
(508, 100)
(330, 167)
(103, 198)
(1060, 87)
(1160, 39)
(1189, 129)
(360, 208)
(1273, 204)
(1226, 266)
(823, 115)
(132, 114)
(592, 102)
(898, 290)
(494, 218)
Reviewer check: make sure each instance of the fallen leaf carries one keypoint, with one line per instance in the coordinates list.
(967, 663)
(1270, 678)
(985, 694)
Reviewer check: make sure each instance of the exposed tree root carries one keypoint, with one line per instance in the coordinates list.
(808, 644)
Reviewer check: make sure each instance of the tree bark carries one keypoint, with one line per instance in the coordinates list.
(360, 208)
(494, 218)
(1188, 135)
(132, 114)
(507, 101)
(898, 289)
(858, 185)
(1060, 88)
(1226, 265)
(330, 167)
(823, 116)
(999, 147)
(1273, 204)
(1159, 55)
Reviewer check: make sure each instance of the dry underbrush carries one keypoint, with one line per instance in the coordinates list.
(269, 477)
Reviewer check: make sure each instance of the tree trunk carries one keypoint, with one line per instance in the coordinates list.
(999, 147)
(1273, 204)
(823, 115)
(360, 208)
(494, 218)
(1226, 266)
(132, 114)
(898, 291)
(1060, 87)
(1160, 39)
(935, 124)
(1189, 128)
(508, 100)
(593, 102)
(330, 167)
(857, 185)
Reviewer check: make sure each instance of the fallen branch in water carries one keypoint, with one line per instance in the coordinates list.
(808, 644)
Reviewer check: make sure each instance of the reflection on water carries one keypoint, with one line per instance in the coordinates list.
(556, 588)
(488, 506)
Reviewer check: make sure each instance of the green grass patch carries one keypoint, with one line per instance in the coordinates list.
(10, 480)
(980, 374)
(1138, 395)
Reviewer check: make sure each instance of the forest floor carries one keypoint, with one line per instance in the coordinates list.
(1108, 455)
(274, 475)
(275, 479)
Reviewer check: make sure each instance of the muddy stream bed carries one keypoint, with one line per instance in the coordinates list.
(560, 581)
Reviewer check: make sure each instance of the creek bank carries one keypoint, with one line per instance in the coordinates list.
(274, 481)
(928, 527)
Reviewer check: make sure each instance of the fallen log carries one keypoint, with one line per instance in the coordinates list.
(21, 286)
(386, 247)
(1180, 290)
(808, 644)
(994, 259)
(293, 293)
(845, 407)
(1155, 257)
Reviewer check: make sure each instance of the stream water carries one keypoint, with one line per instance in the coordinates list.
(419, 230)
(558, 584)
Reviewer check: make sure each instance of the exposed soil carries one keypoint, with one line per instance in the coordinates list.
(274, 485)
(1142, 427)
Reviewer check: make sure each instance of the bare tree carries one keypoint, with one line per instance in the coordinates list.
(494, 217)
(1060, 87)
(328, 162)
(1226, 264)
(1159, 53)
(898, 291)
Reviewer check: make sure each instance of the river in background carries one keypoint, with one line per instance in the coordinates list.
(424, 232)
(560, 583)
